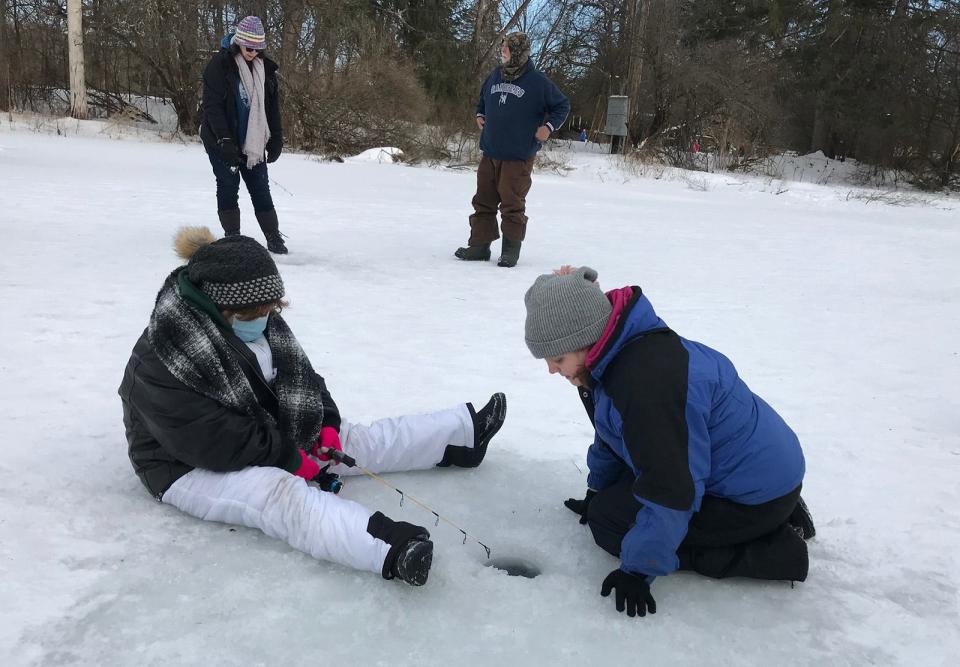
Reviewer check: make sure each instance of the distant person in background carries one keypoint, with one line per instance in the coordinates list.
(583, 135)
(241, 128)
(227, 420)
(519, 108)
(841, 152)
(688, 469)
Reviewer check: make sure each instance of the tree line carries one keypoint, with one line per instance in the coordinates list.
(877, 80)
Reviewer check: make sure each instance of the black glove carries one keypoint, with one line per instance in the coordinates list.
(274, 148)
(632, 589)
(229, 151)
(580, 506)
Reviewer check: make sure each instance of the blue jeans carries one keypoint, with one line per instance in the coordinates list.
(228, 183)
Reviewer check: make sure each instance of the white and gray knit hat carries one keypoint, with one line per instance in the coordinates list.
(235, 272)
(565, 313)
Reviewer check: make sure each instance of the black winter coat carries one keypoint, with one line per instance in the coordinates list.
(172, 429)
(220, 119)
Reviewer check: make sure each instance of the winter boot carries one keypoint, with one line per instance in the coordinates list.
(473, 253)
(230, 221)
(780, 555)
(411, 551)
(271, 230)
(413, 561)
(276, 245)
(802, 521)
(486, 423)
(509, 253)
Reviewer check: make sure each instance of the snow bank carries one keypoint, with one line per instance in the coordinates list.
(384, 155)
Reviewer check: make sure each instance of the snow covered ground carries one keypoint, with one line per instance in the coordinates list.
(843, 314)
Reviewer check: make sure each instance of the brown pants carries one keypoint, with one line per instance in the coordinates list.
(503, 183)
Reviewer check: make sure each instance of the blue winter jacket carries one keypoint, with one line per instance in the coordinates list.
(513, 110)
(677, 415)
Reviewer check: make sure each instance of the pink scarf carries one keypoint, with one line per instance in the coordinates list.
(618, 298)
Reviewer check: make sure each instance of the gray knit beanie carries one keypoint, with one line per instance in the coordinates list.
(565, 313)
(236, 272)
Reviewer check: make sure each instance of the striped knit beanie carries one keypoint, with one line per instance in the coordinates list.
(250, 33)
(235, 272)
(565, 313)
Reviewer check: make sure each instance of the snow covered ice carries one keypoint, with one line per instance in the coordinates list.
(842, 314)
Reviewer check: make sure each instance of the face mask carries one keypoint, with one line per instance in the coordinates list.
(250, 330)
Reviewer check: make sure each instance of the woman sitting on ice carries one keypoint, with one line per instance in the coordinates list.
(226, 418)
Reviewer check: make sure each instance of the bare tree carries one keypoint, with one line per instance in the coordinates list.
(877, 80)
(78, 84)
(485, 24)
(635, 17)
(6, 80)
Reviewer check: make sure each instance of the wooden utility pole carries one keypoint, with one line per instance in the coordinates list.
(78, 85)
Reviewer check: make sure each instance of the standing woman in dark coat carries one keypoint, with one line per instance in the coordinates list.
(241, 128)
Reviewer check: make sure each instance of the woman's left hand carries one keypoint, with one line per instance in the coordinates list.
(328, 439)
(274, 148)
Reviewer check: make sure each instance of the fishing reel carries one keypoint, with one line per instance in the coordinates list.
(328, 481)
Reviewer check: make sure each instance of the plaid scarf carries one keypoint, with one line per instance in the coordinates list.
(195, 351)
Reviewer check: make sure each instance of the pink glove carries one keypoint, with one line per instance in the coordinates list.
(308, 467)
(328, 438)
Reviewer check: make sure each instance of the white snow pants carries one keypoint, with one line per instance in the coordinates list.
(318, 523)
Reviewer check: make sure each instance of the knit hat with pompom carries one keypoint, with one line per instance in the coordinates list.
(235, 272)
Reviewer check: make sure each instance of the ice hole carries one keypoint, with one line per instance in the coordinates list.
(515, 567)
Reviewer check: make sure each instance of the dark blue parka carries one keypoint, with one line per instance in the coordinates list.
(513, 110)
(677, 415)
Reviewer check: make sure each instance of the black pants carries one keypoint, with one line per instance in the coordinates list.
(724, 539)
(228, 183)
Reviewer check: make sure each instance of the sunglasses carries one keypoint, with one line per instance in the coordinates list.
(249, 50)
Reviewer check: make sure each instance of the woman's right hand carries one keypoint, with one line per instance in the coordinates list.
(229, 151)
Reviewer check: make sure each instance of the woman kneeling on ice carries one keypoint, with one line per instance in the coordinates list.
(689, 469)
(225, 417)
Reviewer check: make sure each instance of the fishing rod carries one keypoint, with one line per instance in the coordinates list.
(351, 462)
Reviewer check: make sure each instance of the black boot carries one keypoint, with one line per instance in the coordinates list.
(486, 423)
(230, 221)
(509, 253)
(473, 253)
(781, 555)
(271, 230)
(276, 245)
(413, 561)
(411, 551)
(802, 521)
